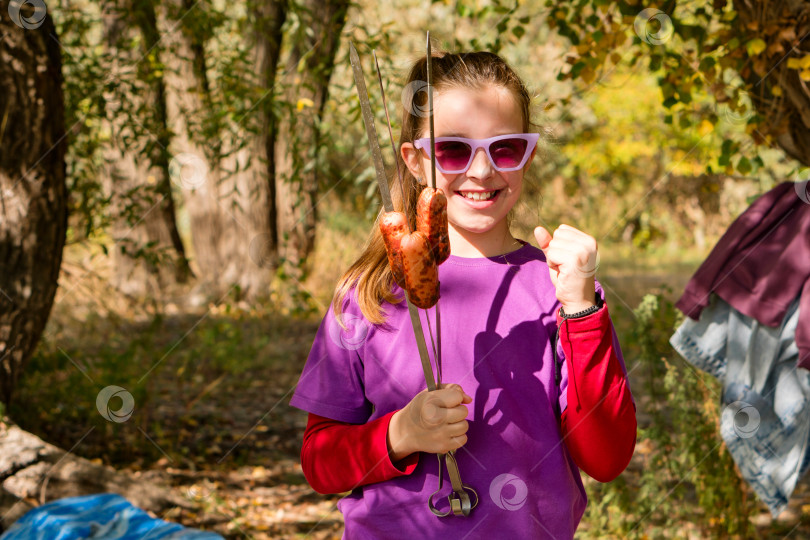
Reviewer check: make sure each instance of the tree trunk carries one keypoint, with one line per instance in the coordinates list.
(299, 135)
(33, 198)
(187, 98)
(232, 207)
(249, 170)
(148, 254)
(786, 117)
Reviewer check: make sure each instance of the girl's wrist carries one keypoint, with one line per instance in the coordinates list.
(397, 448)
(570, 309)
(588, 299)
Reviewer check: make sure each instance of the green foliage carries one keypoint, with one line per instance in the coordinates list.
(83, 73)
(499, 15)
(684, 462)
(706, 59)
(169, 364)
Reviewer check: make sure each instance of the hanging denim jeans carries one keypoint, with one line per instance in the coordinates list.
(766, 416)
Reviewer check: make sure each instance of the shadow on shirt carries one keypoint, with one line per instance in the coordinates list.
(509, 367)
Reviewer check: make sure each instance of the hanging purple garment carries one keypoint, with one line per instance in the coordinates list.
(761, 264)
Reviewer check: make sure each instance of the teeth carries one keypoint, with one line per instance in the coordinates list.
(478, 196)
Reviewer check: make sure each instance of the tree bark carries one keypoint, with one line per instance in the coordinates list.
(299, 135)
(148, 254)
(33, 198)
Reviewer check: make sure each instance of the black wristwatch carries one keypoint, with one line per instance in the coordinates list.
(593, 309)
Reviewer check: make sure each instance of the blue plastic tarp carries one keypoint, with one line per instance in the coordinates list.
(106, 515)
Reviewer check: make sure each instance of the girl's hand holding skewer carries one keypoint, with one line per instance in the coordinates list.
(433, 422)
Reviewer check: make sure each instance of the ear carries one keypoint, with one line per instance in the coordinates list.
(413, 159)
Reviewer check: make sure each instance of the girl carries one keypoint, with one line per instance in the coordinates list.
(520, 430)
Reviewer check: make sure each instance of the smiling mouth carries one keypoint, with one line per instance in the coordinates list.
(479, 195)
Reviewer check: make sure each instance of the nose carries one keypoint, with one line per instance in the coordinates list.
(480, 167)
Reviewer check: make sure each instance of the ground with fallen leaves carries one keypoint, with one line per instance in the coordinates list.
(211, 388)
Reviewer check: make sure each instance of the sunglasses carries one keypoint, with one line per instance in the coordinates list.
(455, 154)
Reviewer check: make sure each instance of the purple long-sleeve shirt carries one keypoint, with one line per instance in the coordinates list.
(498, 319)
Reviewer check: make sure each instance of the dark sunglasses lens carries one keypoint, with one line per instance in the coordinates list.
(452, 155)
(508, 153)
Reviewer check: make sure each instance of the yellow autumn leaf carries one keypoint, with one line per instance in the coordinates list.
(705, 128)
(805, 75)
(304, 102)
(776, 90)
(588, 75)
(755, 46)
(799, 63)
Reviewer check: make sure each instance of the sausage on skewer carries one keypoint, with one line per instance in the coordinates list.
(393, 226)
(431, 219)
(413, 258)
(421, 272)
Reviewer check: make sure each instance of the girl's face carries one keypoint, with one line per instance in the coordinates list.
(475, 114)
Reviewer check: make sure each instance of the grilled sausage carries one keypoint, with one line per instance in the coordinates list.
(421, 272)
(393, 226)
(431, 219)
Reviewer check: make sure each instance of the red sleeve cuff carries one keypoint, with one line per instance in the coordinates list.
(337, 457)
(597, 320)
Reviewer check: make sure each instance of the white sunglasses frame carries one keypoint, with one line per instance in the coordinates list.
(530, 138)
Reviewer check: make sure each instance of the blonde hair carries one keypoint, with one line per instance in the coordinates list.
(370, 273)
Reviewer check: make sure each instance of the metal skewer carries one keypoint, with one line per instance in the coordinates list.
(436, 351)
(430, 113)
(385, 193)
(390, 133)
(459, 499)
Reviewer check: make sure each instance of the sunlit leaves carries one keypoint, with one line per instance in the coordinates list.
(707, 54)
